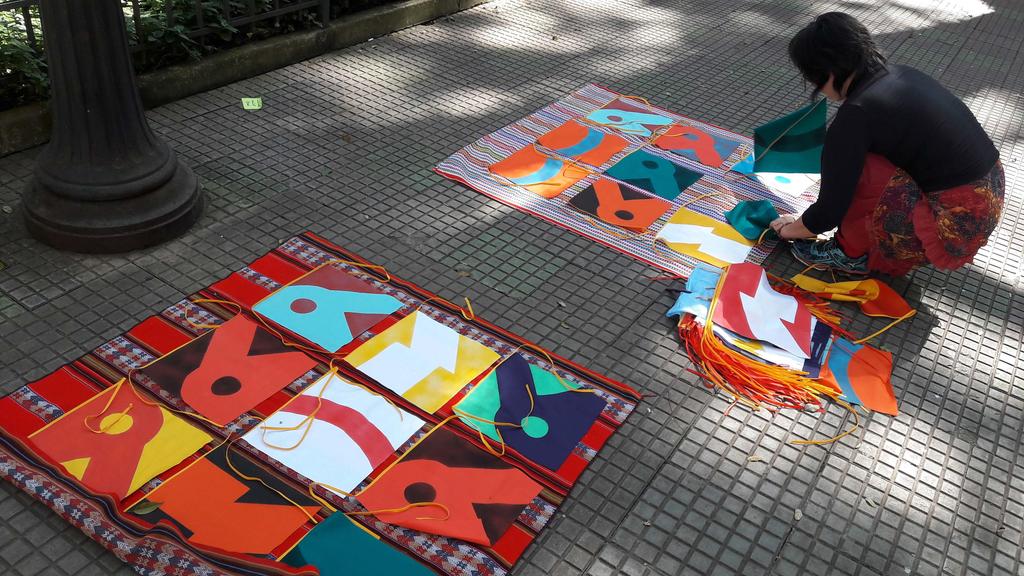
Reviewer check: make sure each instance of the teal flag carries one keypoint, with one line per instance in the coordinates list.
(337, 547)
(792, 144)
(751, 217)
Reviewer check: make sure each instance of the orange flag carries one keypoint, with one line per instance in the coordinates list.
(876, 298)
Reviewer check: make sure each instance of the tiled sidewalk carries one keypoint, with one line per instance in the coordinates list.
(344, 147)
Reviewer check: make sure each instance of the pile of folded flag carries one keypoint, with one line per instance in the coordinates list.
(769, 343)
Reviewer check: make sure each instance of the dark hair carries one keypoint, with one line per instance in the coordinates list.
(834, 43)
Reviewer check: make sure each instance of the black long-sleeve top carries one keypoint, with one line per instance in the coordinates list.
(909, 118)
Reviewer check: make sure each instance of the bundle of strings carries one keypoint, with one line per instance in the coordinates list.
(755, 383)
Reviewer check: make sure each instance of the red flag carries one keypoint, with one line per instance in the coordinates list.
(748, 305)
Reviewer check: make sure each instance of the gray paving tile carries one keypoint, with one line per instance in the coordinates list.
(344, 147)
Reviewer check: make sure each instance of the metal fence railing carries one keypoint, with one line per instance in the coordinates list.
(197, 20)
(160, 33)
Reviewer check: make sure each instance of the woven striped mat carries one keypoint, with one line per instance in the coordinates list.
(470, 166)
(160, 547)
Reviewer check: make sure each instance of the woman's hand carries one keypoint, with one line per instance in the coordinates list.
(781, 222)
(790, 227)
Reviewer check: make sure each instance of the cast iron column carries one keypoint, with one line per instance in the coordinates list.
(105, 182)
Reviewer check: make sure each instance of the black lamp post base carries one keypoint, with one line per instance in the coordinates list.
(112, 226)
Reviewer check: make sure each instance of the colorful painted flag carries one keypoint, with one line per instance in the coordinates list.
(216, 507)
(762, 351)
(787, 184)
(876, 298)
(750, 307)
(630, 118)
(655, 174)
(704, 238)
(619, 205)
(118, 451)
(583, 143)
(862, 374)
(697, 144)
(792, 143)
(338, 547)
(752, 217)
(482, 493)
(700, 291)
(229, 370)
(745, 165)
(539, 173)
(328, 307)
(552, 417)
(359, 431)
(423, 360)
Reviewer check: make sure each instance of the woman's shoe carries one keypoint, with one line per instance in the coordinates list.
(827, 255)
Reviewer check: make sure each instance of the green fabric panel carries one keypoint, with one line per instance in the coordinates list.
(793, 142)
(751, 217)
(483, 401)
(337, 547)
(547, 383)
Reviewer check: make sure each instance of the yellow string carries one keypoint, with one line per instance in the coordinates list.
(373, 481)
(466, 312)
(307, 422)
(447, 511)
(367, 265)
(227, 459)
(699, 198)
(890, 325)
(786, 131)
(131, 386)
(236, 306)
(852, 429)
(113, 394)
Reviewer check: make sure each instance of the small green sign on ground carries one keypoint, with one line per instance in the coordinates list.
(252, 103)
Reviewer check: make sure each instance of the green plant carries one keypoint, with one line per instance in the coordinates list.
(22, 70)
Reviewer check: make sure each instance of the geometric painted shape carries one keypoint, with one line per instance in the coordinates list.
(752, 217)
(696, 298)
(422, 360)
(696, 144)
(749, 306)
(792, 143)
(338, 547)
(357, 429)
(118, 451)
(583, 143)
(216, 507)
(787, 184)
(630, 118)
(229, 370)
(619, 205)
(654, 174)
(744, 165)
(704, 238)
(553, 418)
(483, 494)
(328, 307)
(539, 173)
(862, 374)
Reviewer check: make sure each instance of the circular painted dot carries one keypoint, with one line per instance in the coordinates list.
(303, 306)
(782, 179)
(226, 386)
(623, 214)
(535, 427)
(615, 118)
(420, 492)
(115, 424)
(650, 164)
